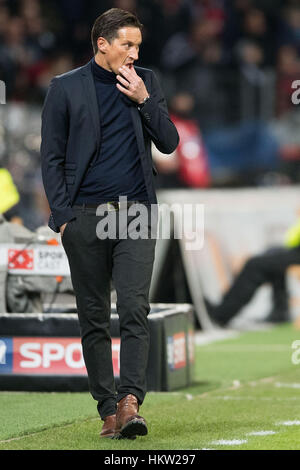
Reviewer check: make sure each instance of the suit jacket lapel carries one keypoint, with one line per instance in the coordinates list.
(90, 92)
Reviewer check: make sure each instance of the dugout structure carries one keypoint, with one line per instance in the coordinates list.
(42, 352)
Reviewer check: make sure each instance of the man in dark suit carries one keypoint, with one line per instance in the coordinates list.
(98, 122)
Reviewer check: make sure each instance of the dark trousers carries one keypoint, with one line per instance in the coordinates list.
(94, 262)
(269, 267)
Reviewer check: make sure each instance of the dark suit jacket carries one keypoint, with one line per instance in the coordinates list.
(71, 136)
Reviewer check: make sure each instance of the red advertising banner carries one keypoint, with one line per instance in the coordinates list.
(54, 356)
(176, 351)
(179, 350)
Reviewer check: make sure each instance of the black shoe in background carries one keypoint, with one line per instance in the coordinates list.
(278, 316)
(212, 311)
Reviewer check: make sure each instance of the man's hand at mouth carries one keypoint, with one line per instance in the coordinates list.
(131, 84)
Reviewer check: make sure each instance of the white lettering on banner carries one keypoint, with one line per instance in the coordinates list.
(70, 350)
(2, 352)
(45, 355)
(52, 352)
(35, 359)
(49, 260)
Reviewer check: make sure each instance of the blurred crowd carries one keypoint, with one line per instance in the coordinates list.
(40, 39)
(226, 66)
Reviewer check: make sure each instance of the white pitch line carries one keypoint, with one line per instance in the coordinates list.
(233, 442)
(228, 397)
(189, 397)
(240, 348)
(235, 384)
(202, 338)
(295, 422)
(261, 433)
(207, 396)
(287, 385)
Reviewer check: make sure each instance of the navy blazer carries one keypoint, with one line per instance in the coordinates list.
(71, 136)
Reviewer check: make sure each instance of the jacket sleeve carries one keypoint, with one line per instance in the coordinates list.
(156, 119)
(54, 133)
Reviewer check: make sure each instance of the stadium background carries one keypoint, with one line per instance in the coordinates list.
(227, 69)
(232, 64)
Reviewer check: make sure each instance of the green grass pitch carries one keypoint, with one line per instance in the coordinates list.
(246, 396)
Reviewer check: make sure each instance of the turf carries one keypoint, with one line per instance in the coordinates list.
(243, 386)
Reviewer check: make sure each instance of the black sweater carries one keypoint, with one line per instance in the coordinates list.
(117, 170)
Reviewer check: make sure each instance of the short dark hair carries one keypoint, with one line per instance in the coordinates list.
(108, 24)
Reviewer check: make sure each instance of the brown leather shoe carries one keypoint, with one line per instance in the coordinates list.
(128, 423)
(109, 427)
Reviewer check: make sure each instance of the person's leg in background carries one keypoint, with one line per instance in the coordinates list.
(280, 299)
(270, 266)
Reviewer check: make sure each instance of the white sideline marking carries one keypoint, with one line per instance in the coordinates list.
(233, 442)
(295, 422)
(207, 396)
(189, 397)
(228, 397)
(207, 337)
(265, 380)
(235, 384)
(261, 433)
(247, 348)
(286, 385)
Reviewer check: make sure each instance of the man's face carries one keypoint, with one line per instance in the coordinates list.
(123, 50)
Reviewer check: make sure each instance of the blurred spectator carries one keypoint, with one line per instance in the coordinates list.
(4, 19)
(14, 56)
(40, 74)
(211, 11)
(254, 83)
(257, 29)
(184, 48)
(177, 34)
(288, 70)
(290, 28)
(175, 18)
(188, 165)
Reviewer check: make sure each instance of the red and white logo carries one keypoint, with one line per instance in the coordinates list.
(176, 351)
(20, 259)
